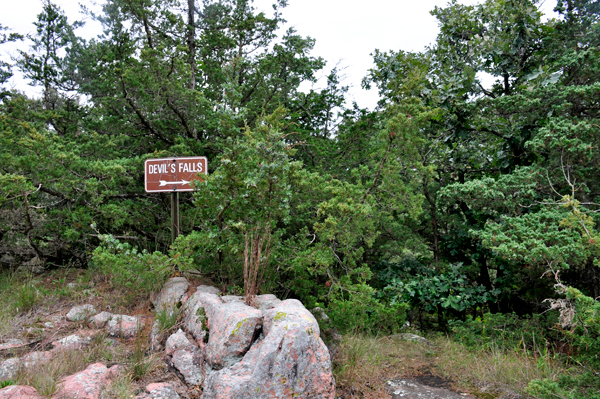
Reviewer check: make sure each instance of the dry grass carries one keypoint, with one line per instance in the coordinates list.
(44, 377)
(364, 364)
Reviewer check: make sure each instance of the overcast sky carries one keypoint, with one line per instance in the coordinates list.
(346, 31)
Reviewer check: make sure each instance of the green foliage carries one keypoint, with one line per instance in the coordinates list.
(363, 314)
(167, 318)
(6, 383)
(584, 386)
(507, 332)
(448, 290)
(127, 268)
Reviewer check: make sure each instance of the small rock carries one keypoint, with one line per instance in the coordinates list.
(124, 326)
(8, 368)
(320, 315)
(159, 391)
(176, 342)
(49, 324)
(172, 295)
(100, 320)
(19, 392)
(409, 389)
(87, 384)
(410, 337)
(71, 342)
(71, 286)
(81, 312)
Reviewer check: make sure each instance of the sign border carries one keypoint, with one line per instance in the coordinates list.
(170, 158)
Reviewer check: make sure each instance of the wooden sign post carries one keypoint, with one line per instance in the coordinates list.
(173, 175)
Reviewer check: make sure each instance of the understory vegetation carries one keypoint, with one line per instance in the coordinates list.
(463, 207)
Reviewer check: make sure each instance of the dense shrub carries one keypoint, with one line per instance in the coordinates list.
(126, 267)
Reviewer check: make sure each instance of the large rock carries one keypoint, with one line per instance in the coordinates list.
(195, 318)
(81, 312)
(290, 361)
(232, 328)
(186, 358)
(172, 295)
(19, 392)
(190, 364)
(87, 384)
(176, 342)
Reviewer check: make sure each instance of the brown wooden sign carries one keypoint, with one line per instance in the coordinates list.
(173, 174)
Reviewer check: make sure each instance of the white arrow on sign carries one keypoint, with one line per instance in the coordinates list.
(164, 183)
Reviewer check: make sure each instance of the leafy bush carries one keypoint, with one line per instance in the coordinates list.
(365, 314)
(448, 291)
(582, 314)
(127, 268)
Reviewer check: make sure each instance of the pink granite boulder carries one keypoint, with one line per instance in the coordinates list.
(124, 326)
(88, 383)
(190, 365)
(19, 392)
(290, 361)
(195, 317)
(172, 295)
(233, 326)
(186, 358)
(176, 342)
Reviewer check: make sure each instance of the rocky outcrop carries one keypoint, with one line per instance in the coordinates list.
(272, 350)
(232, 328)
(289, 361)
(88, 383)
(81, 312)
